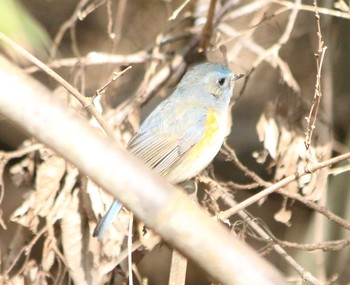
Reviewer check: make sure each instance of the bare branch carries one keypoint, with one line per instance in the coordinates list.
(282, 183)
(85, 101)
(261, 232)
(311, 119)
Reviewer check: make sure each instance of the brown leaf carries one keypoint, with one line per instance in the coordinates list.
(48, 179)
(75, 242)
(283, 216)
(48, 253)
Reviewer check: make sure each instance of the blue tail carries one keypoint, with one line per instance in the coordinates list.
(107, 220)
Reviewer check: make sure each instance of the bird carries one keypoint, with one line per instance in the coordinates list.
(184, 133)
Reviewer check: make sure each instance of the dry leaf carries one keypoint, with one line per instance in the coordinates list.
(18, 242)
(19, 172)
(267, 130)
(48, 253)
(40, 202)
(75, 242)
(48, 179)
(282, 128)
(25, 215)
(61, 202)
(283, 216)
(283, 133)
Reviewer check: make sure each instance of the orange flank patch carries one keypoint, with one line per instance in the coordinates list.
(211, 128)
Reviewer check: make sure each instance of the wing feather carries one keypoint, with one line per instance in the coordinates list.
(162, 143)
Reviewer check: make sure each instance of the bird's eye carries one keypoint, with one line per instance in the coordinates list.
(222, 81)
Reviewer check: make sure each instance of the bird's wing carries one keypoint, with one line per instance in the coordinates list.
(163, 142)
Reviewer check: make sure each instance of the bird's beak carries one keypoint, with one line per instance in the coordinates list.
(234, 78)
(237, 76)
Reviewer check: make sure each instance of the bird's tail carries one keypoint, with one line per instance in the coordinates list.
(107, 220)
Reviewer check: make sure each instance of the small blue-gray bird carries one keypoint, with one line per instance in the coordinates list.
(184, 132)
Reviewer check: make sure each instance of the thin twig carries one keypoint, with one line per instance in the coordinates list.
(122, 256)
(262, 233)
(5, 156)
(334, 245)
(8, 155)
(312, 117)
(97, 58)
(282, 183)
(26, 252)
(131, 220)
(339, 170)
(67, 25)
(115, 76)
(178, 269)
(208, 27)
(320, 209)
(178, 10)
(230, 155)
(83, 13)
(85, 101)
(310, 8)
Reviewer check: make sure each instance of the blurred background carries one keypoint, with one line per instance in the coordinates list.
(280, 48)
